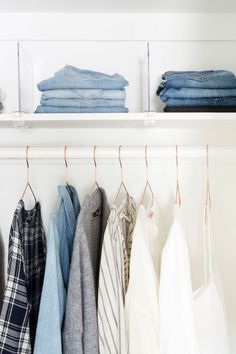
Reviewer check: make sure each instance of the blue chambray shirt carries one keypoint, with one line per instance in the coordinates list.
(60, 243)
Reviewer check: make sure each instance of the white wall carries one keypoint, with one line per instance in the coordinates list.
(124, 55)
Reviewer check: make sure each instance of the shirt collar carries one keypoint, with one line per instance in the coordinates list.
(71, 204)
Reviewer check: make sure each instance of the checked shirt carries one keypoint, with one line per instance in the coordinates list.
(26, 264)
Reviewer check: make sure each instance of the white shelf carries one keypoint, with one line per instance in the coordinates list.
(120, 121)
(122, 6)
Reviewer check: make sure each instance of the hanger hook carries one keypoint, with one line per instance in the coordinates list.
(27, 161)
(208, 193)
(121, 165)
(66, 163)
(28, 182)
(177, 159)
(94, 156)
(65, 157)
(26, 156)
(207, 160)
(95, 162)
(178, 196)
(146, 161)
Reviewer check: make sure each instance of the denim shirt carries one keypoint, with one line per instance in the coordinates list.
(60, 244)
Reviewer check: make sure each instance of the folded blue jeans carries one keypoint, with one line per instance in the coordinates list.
(196, 93)
(197, 102)
(81, 103)
(54, 109)
(212, 79)
(85, 94)
(71, 77)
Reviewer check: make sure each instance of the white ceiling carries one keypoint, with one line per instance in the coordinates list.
(136, 6)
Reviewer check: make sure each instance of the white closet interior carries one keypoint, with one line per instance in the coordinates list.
(117, 42)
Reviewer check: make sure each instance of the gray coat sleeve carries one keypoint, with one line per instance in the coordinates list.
(80, 334)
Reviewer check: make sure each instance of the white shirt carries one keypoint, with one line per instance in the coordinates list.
(142, 304)
(208, 306)
(178, 328)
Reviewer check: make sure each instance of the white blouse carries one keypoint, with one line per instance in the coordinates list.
(142, 304)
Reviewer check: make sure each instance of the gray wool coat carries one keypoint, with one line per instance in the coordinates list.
(80, 333)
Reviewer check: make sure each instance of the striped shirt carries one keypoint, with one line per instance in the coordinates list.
(26, 265)
(114, 277)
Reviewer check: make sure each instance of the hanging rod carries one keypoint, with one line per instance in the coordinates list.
(111, 152)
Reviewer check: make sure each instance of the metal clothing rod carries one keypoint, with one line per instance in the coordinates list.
(112, 152)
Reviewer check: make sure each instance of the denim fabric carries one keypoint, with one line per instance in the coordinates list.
(193, 109)
(53, 109)
(60, 243)
(183, 102)
(85, 94)
(198, 79)
(82, 103)
(71, 77)
(196, 93)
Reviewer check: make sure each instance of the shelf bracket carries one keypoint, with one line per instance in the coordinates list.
(20, 123)
(149, 120)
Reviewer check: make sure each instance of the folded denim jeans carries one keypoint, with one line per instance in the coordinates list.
(194, 109)
(182, 102)
(71, 77)
(170, 92)
(54, 109)
(212, 79)
(85, 94)
(81, 103)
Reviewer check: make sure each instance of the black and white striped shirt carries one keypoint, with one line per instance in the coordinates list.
(114, 277)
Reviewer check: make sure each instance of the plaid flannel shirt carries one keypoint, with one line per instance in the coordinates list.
(26, 264)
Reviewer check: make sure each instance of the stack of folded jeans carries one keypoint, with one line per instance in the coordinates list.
(198, 91)
(72, 90)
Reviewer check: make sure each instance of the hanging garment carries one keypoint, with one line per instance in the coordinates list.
(209, 311)
(114, 277)
(55, 285)
(178, 328)
(26, 265)
(141, 302)
(80, 335)
(2, 271)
